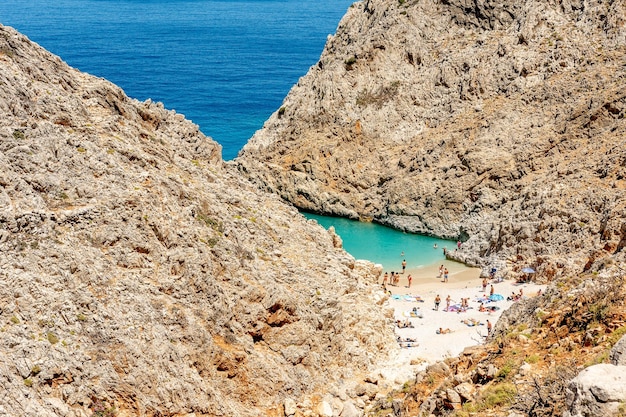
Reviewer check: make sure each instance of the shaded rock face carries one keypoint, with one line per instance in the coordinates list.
(138, 272)
(618, 353)
(499, 123)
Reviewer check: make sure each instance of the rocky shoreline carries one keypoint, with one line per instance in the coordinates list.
(141, 275)
(500, 125)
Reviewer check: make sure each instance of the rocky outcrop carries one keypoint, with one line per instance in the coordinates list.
(599, 390)
(618, 353)
(139, 273)
(498, 123)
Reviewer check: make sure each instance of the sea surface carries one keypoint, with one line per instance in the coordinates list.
(226, 65)
(385, 246)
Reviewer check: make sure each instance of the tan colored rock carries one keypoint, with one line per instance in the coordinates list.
(498, 124)
(139, 272)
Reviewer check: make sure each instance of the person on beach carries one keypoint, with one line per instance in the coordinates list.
(403, 266)
(491, 291)
(448, 300)
(443, 331)
(458, 244)
(484, 284)
(488, 328)
(410, 279)
(445, 275)
(385, 279)
(440, 272)
(437, 301)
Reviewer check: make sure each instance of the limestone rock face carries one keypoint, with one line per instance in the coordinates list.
(138, 272)
(618, 352)
(597, 391)
(499, 123)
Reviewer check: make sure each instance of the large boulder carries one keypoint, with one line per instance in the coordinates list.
(597, 391)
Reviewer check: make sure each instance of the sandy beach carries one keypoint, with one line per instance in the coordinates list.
(463, 282)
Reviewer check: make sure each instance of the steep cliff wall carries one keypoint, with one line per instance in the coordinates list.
(136, 271)
(499, 123)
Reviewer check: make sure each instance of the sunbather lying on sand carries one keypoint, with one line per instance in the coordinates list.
(471, 322)
(443, 331)
(404, 324)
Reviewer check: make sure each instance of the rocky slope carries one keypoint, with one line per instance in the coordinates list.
(499, 123)
(548, 356)
(140, 274)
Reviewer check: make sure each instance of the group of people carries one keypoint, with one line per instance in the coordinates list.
(394, 279)
(519, 296)
(443, 273)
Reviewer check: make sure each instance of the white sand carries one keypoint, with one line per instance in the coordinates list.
(463, 282)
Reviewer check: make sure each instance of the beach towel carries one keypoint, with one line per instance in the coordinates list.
(496, 297)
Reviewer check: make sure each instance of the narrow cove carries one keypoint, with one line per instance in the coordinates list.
(384, 245)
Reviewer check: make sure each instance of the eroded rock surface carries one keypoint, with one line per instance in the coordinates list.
(137, 272)
(499, 123)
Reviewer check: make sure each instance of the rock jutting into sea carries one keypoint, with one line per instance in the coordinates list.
(501, 125)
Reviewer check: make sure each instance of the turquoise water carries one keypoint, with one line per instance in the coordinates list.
(384, 245)
(224, 64)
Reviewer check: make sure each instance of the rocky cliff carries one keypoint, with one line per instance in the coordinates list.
(139, 274)
(497, 123)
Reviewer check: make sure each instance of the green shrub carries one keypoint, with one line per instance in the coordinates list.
(52, 338)
(350, 62)
(499, 395)
(532, 359)
(505, 371)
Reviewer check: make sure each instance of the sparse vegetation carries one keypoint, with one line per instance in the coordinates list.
(506, 370)
(349, 63)
(379, 97)
(18, 135)
(52, 338)
(101, 408)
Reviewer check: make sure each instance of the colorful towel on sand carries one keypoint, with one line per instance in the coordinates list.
(411, 313)
(407, 297)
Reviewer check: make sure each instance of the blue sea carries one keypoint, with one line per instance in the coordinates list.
(225, 64)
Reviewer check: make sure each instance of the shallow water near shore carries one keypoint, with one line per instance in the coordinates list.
(384, 245)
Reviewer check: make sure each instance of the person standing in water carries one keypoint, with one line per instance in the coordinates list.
(403, 265)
